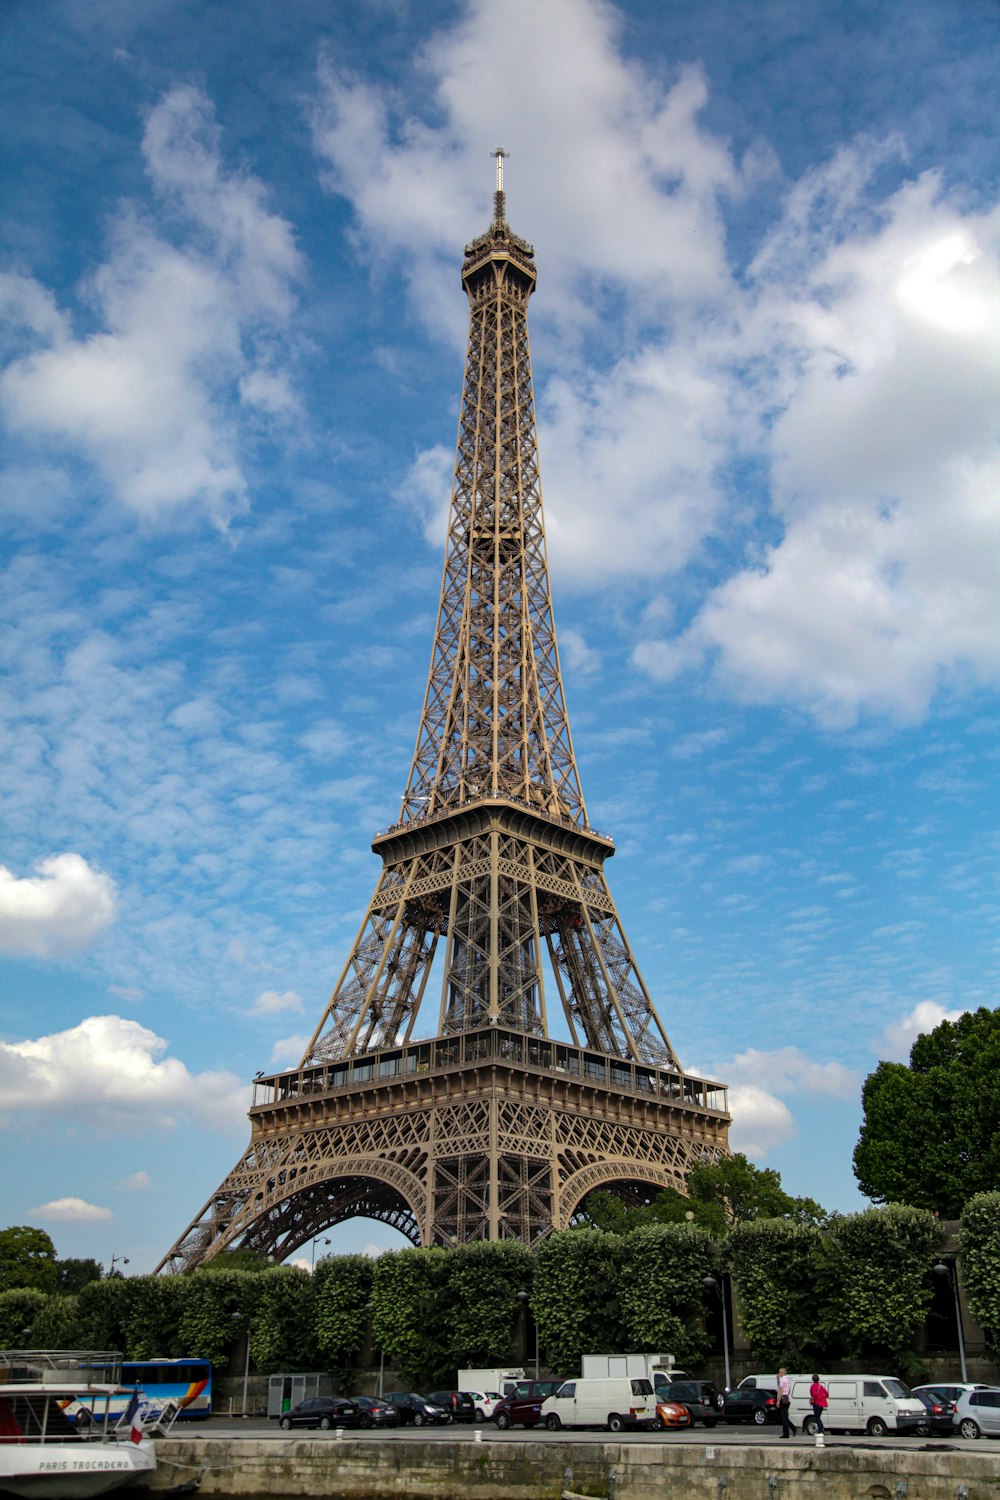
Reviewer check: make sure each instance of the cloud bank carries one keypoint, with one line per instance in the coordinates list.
(60, 910)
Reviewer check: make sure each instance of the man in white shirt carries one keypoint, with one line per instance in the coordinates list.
(784, 1397)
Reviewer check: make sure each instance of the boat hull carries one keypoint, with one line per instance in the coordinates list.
(65, 1471)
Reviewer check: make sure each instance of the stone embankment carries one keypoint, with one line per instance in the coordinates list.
(346, 1469)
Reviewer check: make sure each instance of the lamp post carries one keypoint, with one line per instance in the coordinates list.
(246, 1363)
(117, 1260)
(710, 1284)
(524, 1298)
(315, 1243)
(942, 1270)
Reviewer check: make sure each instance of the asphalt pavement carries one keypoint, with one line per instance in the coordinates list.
(741, 1434)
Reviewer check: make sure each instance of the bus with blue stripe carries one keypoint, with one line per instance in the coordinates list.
(162, 1385)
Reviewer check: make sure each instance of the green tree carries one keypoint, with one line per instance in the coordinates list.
(606, 1211)
(662, 1290)
(980, 1245)
(931, 1131)
(283, 1330)
(874, 1282)
(408, 1313)
(481, 1302)
(743, 1192)
(342, 1294)
(578, 1280)
(73, 1275)
(774, 1264)
(27, 1259)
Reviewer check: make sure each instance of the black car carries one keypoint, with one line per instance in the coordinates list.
(323, 1412)
(459, 1403)
(523, 1405)
(752, 1403)
(375, 1413)
(699, 1396)
(417, 1409)
(940, 1418)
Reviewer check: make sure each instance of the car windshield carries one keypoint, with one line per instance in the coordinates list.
(897, 1388)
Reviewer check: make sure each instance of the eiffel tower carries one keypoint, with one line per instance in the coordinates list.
(492, 1128)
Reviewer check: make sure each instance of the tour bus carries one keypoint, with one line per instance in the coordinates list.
(184, 1383)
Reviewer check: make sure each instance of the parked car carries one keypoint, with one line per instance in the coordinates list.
(940, 1415)
(417, 1409)
(323, 1412)
(613, 1401)
(375, 1412)
(699, 1396)
(950, 1390)
(459, 1403)
(672, 1413)
(522, 1407)
(751, 1403)
(977, 1413)
(485, 1403)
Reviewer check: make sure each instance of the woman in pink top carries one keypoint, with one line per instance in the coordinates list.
(819, 1396)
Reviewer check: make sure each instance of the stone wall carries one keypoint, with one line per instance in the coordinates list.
(350, 1469)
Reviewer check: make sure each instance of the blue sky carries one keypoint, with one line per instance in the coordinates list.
(766, 345)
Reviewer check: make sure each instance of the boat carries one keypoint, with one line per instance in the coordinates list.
(58, 1438)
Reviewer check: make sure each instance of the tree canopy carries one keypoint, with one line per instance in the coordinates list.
(931, 1131)
(27, 1259)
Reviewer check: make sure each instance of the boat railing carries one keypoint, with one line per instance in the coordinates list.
(51, 1366)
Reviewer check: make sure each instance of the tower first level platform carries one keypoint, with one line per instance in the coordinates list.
(489, 1134)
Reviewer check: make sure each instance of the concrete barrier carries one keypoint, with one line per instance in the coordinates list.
(351, 1469)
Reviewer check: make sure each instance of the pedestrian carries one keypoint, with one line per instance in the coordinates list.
(784, 1398)
(820, 1397)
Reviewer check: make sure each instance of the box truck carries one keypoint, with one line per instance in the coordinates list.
(649, 1366)
(503, 1379)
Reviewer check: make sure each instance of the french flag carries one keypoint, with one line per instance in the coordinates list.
(133, 1417)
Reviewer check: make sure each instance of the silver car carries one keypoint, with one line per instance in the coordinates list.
(977, 1413)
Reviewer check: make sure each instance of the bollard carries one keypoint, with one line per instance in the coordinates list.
(478, 1435)
(340, 1434)
(819, 1440)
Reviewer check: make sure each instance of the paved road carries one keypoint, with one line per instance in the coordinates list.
(720, 1436)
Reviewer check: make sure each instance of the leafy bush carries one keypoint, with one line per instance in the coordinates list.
(875, 1281)
(774, 1267)
(342, 1292)
(662, 1290)
(980, 1244)
(578, 1278)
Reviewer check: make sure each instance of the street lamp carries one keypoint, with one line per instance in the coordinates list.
(942, 1270)
(711, 1285)
(246, 1363)
(315, 1243)
(524, 1298)
(117, 1260)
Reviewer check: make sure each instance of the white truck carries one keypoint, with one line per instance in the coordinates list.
(637, 1366)
(502, 1380)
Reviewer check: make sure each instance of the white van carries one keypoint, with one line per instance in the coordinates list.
(875, 1404)
(620, 1401)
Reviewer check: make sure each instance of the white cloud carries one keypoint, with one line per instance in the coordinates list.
(274, 1003)
(760, 1120)
(788, 1070)
(109, 1072)
(288, 1050)
(71, 1211)
(152, 396)
(60, 910)
(757, 1081)
(898, 1037)
(137, 1182)
(880, 391)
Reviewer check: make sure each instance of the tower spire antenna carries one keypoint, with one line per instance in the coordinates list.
(499, 197)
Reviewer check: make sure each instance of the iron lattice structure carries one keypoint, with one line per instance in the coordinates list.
(492, 1129)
